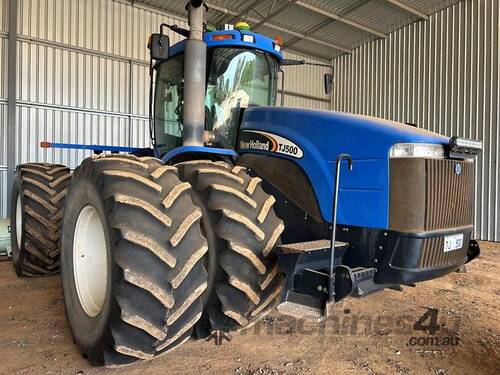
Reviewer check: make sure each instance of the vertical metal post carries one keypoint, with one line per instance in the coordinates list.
(130, 100)
(11, 101)
(332, 95)
(282, 97)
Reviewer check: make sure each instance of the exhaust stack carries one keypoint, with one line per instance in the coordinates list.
(195, 76)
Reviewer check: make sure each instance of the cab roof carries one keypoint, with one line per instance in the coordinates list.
(260, 42)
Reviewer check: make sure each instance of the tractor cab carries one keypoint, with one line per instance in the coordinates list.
(242, 72)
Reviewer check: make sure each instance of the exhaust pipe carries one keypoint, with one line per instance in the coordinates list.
(195, 66)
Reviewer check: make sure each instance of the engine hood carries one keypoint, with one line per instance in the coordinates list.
(313, 139)
(331, 126)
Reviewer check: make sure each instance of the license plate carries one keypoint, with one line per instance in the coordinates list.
(453, 242)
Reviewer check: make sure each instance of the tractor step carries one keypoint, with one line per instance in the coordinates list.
(313, 255)
(298, 311)
(309, 291)
(302, 306)
(306, 294)
(300, 247)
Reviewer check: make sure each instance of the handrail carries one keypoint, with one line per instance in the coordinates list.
(331, 291)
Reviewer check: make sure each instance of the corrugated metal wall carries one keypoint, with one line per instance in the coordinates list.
(83, 77)
(304, 85)
(443, 75)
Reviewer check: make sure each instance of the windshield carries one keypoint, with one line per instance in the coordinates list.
(236, 80)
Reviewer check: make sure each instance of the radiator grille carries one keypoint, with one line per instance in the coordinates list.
(433, 254)
(449, 197)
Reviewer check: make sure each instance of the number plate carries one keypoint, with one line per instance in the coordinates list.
(453, 242)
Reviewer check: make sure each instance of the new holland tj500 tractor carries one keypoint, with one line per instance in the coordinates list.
(238, 207)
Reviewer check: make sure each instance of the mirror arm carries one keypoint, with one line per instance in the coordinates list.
(290, 62)
(175, 29)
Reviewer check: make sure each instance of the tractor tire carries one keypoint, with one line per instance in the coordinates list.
(242, 231)
(36, 209)
(131, 255)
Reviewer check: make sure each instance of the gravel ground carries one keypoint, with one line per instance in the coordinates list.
(373, 335)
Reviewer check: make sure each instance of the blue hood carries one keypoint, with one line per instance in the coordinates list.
(322, 135)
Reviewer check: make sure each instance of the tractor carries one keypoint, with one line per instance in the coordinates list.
(238, 207)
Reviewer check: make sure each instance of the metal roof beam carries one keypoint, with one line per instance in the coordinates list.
(311, 39)
(409, 9)
(282, 29)
(245, 11)
(336, 17)
(309, 32)
(310, 55)
(273, 14)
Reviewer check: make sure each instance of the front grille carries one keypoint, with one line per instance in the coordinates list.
(429, 194)
(449, 196)
(433, 255)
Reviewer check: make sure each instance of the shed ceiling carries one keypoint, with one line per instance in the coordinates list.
(322, 29)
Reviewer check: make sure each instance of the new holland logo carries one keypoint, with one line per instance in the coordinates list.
(263, 141)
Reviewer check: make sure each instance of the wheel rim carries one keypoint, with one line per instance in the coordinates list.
(19, 221)
(90, 261)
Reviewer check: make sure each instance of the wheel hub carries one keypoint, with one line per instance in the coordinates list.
(90, 261)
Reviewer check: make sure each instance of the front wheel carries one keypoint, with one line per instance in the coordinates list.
(131, 259)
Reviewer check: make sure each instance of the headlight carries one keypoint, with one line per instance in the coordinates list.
(248, 38)
(417, 150)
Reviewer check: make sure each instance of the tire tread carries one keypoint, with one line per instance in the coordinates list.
(247, 230)
(43, 187)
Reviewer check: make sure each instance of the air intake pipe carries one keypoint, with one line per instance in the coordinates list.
(195, 63)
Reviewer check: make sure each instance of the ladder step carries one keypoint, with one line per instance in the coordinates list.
(300, 311)
(300, 247)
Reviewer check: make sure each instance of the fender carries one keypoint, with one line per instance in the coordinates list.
(288, 178)
(184, 150)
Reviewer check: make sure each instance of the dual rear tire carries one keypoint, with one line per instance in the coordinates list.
(132, 268)
(36, 210)
(150, 253)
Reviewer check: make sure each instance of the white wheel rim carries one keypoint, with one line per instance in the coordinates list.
(90, 261)
(19, 221)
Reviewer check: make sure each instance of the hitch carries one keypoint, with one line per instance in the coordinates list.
(473, 251)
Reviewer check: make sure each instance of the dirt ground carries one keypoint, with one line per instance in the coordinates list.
(374, 335)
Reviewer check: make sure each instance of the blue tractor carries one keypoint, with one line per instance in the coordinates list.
(239, 206)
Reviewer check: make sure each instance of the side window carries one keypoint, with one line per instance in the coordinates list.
(169, 101)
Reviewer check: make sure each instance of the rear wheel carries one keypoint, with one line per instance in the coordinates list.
(131, 259)
(36, 209)
(242, 231)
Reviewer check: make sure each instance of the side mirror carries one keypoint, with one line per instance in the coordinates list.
(328, 81)
(159, 47)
